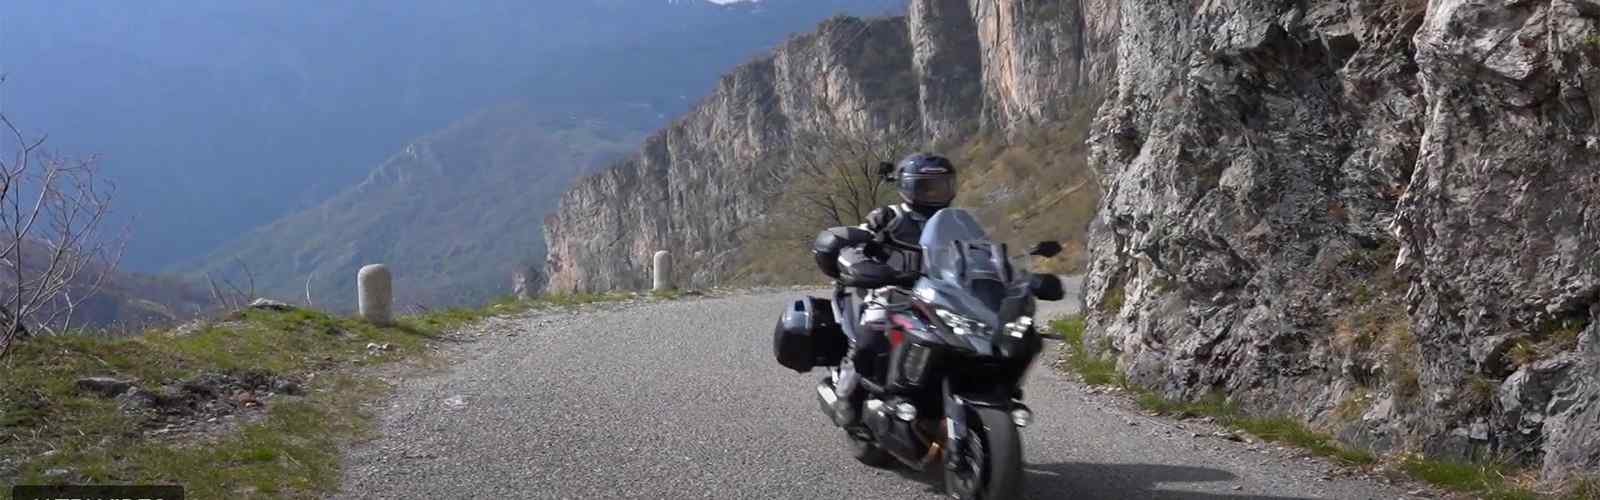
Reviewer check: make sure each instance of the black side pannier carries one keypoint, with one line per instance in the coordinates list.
(808, 336)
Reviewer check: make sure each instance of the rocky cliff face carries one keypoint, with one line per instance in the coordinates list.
(697, 182)
(1376, 216)
(949, 68)
(1040, 58)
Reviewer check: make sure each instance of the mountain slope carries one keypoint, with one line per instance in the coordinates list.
(591, 99)
(696, 183)
(452, 213)
(254, 109)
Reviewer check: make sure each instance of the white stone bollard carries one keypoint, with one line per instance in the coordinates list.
(662, 271)
(375, 293)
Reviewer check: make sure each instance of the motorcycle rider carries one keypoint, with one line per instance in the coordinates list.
(926, 183)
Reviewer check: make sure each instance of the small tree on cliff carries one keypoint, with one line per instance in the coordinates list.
(831, 175)
(53, 253)
(828, 176)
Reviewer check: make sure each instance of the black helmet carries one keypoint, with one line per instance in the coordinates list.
(926, 181)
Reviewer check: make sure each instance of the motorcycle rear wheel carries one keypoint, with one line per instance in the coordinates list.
(991, 459)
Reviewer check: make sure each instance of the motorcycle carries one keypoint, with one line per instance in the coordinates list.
(948, 390)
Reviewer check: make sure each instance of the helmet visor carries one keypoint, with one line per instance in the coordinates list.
(928, 189)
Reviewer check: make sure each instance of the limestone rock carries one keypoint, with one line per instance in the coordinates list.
(270, 304)
(1387, 197)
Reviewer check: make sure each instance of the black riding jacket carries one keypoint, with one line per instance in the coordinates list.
(896, 231)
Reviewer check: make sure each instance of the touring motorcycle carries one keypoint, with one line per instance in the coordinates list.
(948, 390)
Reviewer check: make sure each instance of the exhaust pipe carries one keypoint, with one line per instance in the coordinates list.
(826, 399)
(825, 394)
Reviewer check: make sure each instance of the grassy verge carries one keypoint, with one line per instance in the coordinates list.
(1487, 481)
(1282, 430)
(256, 405)
(281, 446)
(1079, 360)
(445, 319)
(1096, 371)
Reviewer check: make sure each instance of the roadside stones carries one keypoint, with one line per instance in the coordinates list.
(136, 398)
(375, 294)
(270, 305)
(104, 386)
(285, 386)
(662, 271)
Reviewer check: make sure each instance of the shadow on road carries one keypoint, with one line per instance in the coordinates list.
(1085, 481)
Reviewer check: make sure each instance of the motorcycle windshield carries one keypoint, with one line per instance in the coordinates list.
(968, 274)
(947, 252)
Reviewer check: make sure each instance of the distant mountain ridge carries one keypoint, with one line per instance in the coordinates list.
(455, 213)
(452, 213)
(254, 109)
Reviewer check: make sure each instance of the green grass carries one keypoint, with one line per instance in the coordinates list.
(1485, 481)
(670, 294)
(1582, 487)
(1293, 432)
(1482, 480)
(1353, 405)
(445, 319)
(1488, 481)
(1091, 368)
(1275, 429)
(1111, 303)
(1551, 339)
(290, 451)
(1095, 371)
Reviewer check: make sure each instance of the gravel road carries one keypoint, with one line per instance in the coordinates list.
(682, 399)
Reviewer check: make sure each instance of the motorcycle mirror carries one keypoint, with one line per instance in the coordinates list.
(1045, 249)
(1047, 287)
(886, 170)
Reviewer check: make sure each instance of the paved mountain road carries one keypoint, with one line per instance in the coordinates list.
(682, 399)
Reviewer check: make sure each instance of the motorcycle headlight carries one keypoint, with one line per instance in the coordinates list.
(1019, 327)
(959, 324)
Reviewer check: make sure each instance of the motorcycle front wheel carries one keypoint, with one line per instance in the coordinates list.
(990, 466)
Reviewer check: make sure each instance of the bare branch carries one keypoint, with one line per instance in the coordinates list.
(217, 296)
(249, 276)
(830, 174)
(53, 252)
(309, 302)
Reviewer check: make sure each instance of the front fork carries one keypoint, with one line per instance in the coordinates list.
(956, 412)
(955, 427)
